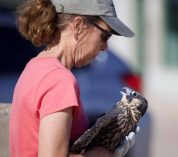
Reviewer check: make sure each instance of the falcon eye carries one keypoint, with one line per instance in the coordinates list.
(134, 94)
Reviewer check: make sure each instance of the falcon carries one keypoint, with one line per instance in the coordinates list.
(111, 128)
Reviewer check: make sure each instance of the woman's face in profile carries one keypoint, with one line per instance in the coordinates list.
(90, 43)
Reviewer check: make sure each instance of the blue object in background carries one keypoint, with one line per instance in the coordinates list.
(100, 82)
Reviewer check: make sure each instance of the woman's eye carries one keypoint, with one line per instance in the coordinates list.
(134, 94)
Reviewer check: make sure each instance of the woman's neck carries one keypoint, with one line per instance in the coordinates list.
(60, 51)
(64, 49)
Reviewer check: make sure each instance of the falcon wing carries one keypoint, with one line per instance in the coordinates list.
(103, 121)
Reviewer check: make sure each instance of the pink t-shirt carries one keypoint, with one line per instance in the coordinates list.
(44, 87)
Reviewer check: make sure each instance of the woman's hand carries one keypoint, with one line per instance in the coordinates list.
(126, 144)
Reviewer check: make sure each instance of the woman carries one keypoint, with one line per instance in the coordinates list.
(46, 111)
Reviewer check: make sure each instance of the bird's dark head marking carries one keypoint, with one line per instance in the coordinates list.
(136, 102)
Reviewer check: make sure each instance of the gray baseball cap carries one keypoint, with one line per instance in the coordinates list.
(102, 8)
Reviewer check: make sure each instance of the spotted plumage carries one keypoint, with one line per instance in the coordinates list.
(111, 128)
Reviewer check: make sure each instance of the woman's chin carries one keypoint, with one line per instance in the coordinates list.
(79, 65)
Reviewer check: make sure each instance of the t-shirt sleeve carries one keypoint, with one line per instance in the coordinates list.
(59, 91)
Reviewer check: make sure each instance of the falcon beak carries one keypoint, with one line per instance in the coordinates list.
(126, 91)
(126, 94)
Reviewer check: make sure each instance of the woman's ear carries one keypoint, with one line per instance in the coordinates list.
(78, 26)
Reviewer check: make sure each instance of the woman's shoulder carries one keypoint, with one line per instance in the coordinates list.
(51, 67)
(53, 72)
(48, 72)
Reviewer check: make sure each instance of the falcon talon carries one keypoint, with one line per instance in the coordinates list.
(111, 128)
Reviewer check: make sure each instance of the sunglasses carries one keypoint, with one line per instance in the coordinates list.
(105, 34)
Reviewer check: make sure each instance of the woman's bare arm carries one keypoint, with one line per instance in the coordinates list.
(54, 136)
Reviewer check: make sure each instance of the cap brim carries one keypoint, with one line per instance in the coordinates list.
(118, 26)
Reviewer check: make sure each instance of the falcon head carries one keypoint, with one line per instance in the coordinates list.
(135, 101)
